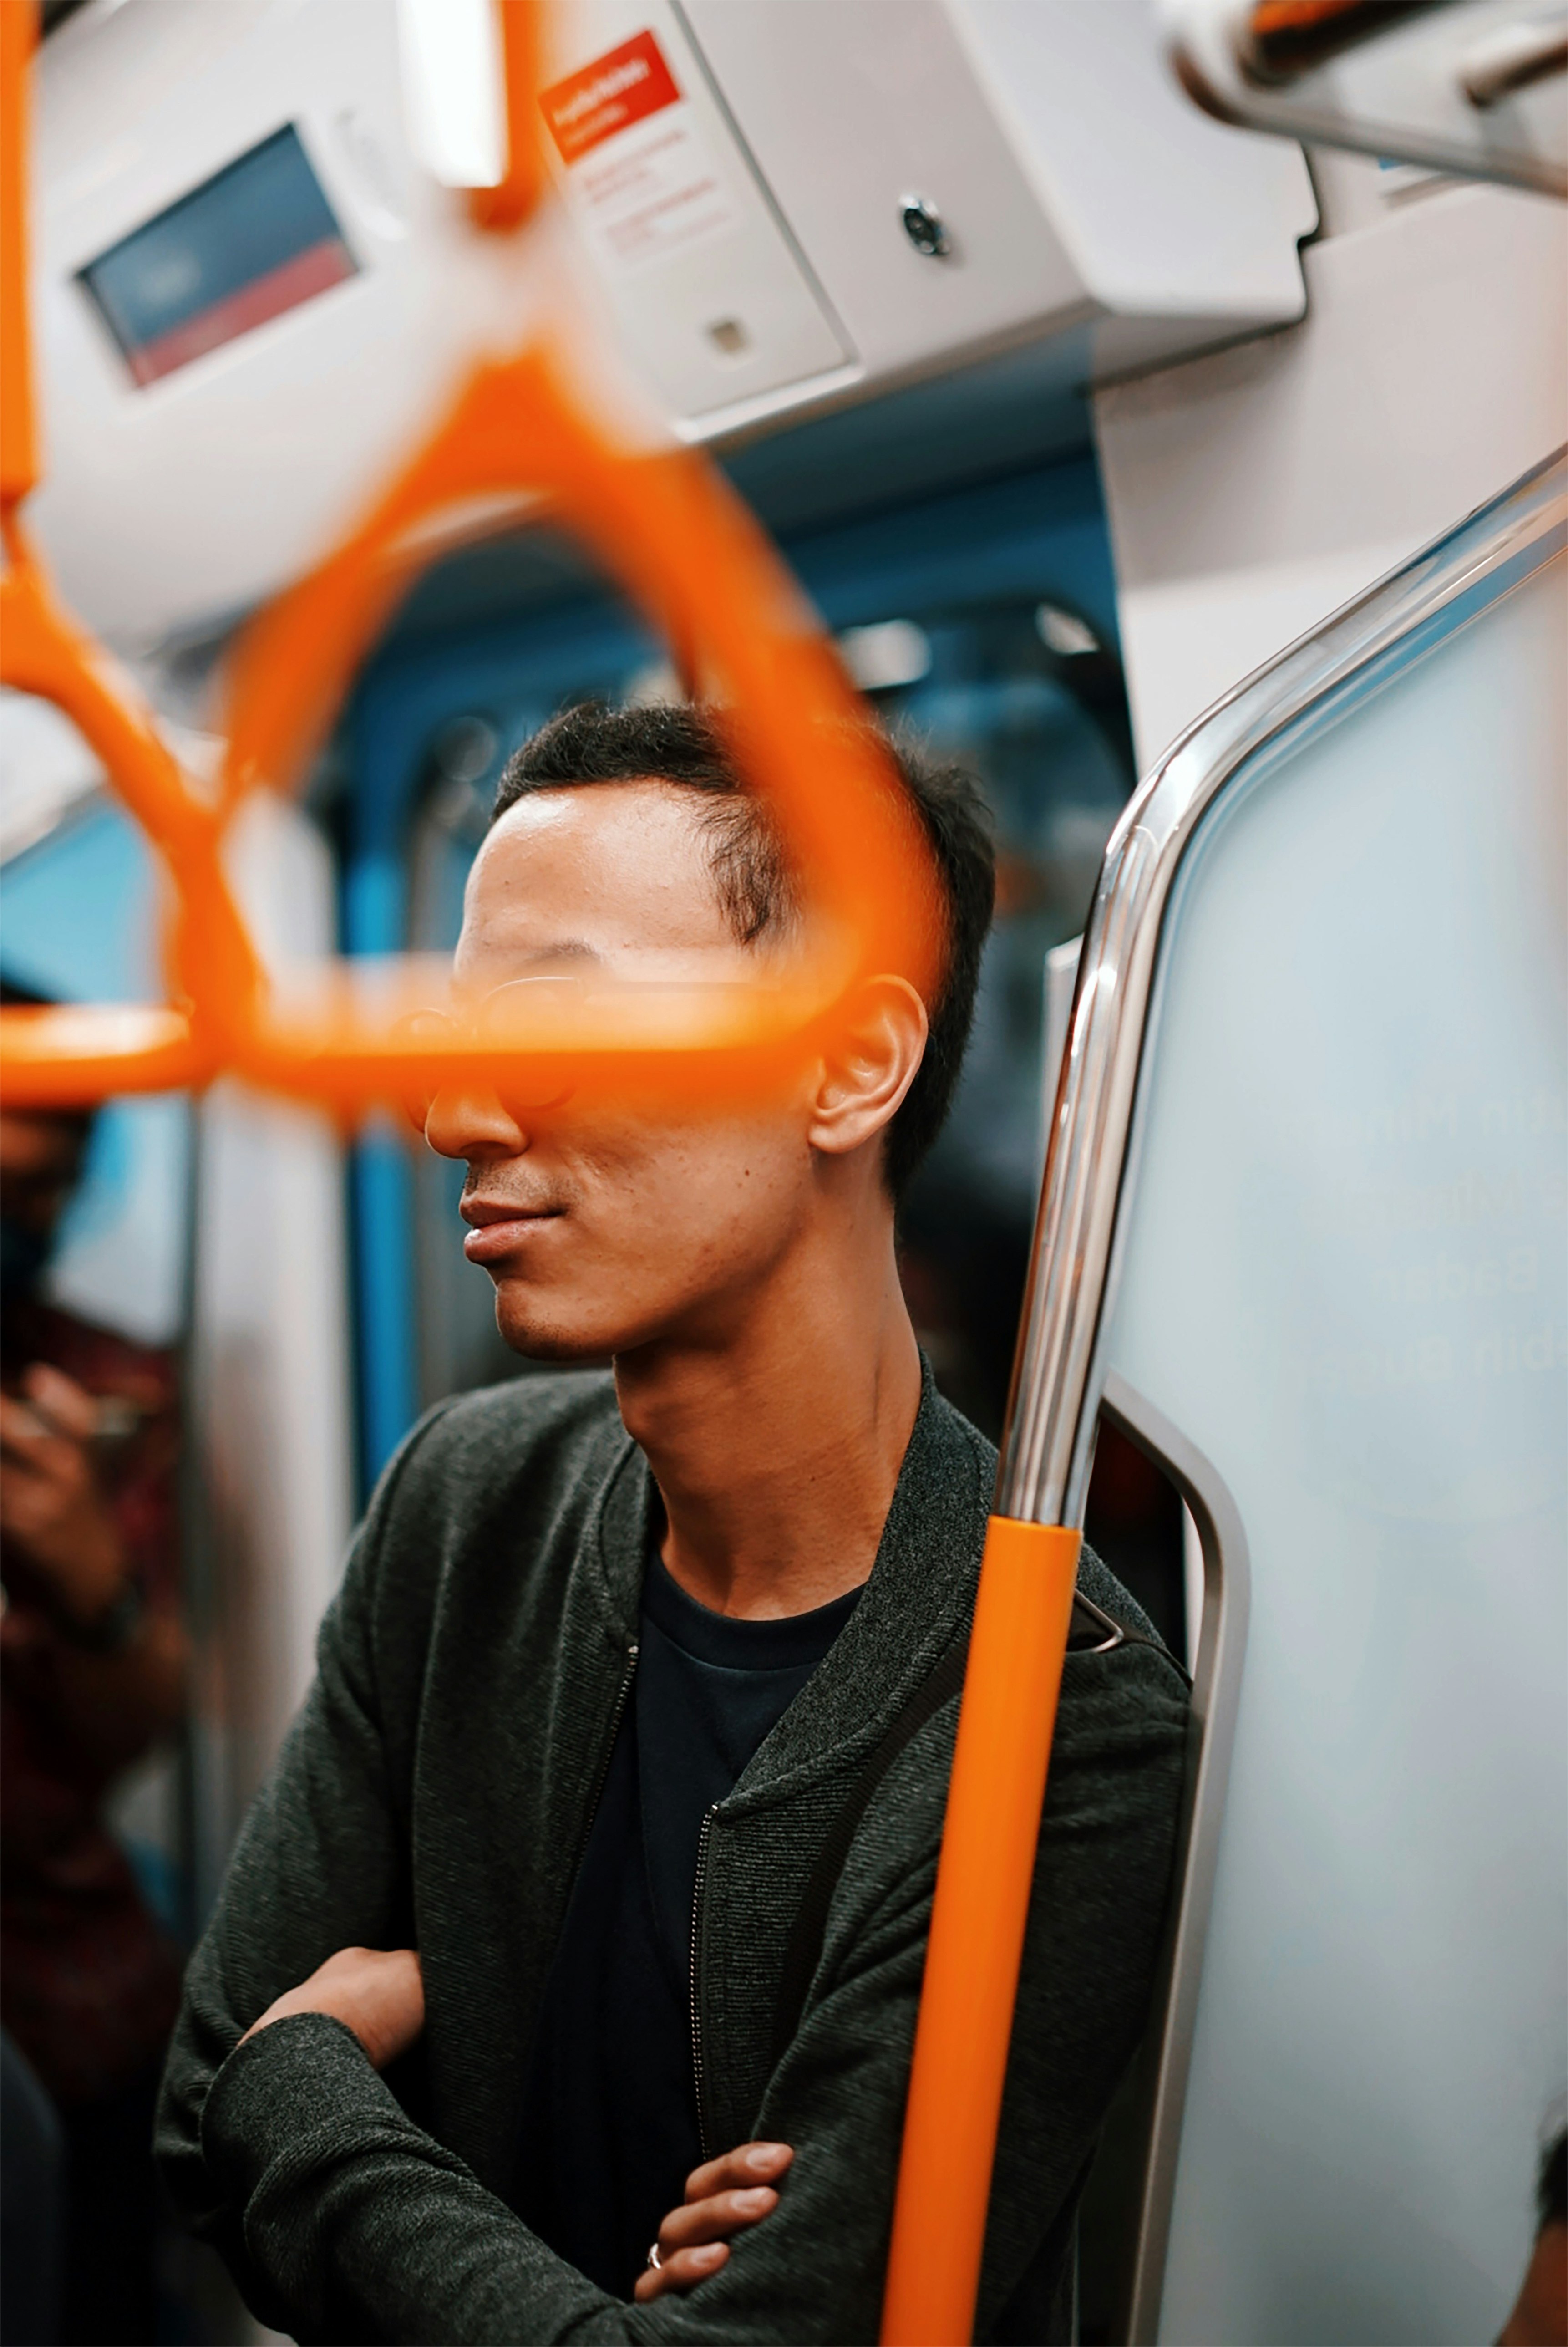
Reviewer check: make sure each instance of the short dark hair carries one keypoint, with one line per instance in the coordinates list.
(593, 744)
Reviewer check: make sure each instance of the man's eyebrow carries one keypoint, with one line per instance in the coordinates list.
(544, 961)
(565, 949)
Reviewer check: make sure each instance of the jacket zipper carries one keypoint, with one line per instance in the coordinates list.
(616, 1718)
(697, 2070)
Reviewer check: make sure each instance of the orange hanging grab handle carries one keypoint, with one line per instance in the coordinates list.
(669, 526)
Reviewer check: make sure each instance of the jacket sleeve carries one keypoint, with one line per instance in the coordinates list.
(320, 1865)
(358, 2224)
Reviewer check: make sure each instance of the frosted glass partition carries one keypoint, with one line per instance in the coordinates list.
(1342, 1277)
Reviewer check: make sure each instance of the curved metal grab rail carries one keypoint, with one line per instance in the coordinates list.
(1008, 1714)
(1047, 1443)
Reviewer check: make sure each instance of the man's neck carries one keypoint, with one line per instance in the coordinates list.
(776, 1449)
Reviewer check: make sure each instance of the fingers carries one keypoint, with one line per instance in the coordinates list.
(68, 1407)
(31, 1439)
(41, 1472)
(718, 2218)
(724, 2196)
(681, 2272)
(24, 1434)
(52, 1422)
(737, 2170)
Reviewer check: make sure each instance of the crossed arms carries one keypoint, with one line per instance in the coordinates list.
(356, 2206)
(343, 2218)
(378, 1994)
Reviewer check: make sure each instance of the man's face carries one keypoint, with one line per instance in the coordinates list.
(606, 1226)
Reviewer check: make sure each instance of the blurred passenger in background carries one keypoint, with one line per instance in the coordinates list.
(92, 1673)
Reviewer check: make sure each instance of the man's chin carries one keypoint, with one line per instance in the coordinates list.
(541, 1335)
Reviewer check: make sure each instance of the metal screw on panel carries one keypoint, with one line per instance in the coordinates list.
(923, 227)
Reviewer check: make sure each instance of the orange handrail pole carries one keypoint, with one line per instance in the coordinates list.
(18, 428)
(984, 1877)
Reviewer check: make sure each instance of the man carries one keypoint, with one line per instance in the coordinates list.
(92, 1668)
(611, 1654)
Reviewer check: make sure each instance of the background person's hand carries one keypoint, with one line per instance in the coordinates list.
(51, 1504)
(723, 2198)
(376, 1992)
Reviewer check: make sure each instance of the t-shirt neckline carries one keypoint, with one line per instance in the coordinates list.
(736, 1644)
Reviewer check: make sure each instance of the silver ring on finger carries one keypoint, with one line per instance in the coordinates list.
(655, 2260)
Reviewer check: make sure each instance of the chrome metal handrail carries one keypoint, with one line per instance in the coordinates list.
(1048, 1442)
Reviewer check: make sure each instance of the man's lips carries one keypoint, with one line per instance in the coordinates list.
(499, 1225)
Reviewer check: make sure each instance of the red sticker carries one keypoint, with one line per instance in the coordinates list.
(619, 88)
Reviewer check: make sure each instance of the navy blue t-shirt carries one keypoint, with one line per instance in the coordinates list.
(608, 2132)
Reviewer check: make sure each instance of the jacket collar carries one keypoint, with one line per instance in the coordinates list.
(920, 1594)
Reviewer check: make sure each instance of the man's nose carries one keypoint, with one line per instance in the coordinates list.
(474, 1125)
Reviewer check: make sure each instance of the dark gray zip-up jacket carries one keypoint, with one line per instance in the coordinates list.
(436, 1791)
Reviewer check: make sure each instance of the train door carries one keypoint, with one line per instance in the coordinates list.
(1402, 958)
(1337, 1302)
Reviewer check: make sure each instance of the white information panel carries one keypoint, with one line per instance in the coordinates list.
(1344, 1280)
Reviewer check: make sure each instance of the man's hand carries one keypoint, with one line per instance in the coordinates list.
(50, 1502)
(721, 2200)
(376, 1992)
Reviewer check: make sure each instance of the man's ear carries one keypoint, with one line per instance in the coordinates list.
(869, 1065)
